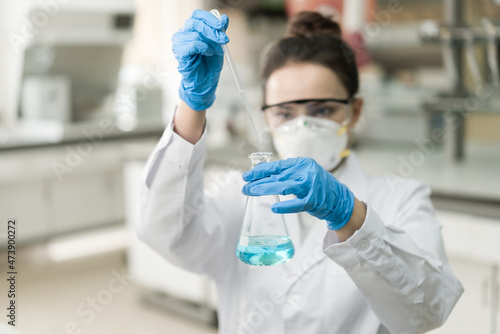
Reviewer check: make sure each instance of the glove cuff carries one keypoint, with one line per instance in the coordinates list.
(342, 212)
(197, 103)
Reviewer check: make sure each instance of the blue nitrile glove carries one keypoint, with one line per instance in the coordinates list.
(197, 48)
(318, 192)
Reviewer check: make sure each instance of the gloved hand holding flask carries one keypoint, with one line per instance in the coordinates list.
(318, 192)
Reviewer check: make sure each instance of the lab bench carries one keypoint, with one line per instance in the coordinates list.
(56, 188)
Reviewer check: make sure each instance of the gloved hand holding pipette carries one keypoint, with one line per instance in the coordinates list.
(197, 48)
(318, 192)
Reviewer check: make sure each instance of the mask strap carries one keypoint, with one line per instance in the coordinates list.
(348, 111)
(346, 151)
(345, 123)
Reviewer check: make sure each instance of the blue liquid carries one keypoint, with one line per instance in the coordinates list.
(265, 250)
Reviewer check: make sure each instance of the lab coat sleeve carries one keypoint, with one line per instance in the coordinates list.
(176, 220)
(401, 267)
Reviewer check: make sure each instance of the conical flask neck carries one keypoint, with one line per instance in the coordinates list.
(258, 157)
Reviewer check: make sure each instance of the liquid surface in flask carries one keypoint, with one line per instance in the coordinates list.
(265, 250)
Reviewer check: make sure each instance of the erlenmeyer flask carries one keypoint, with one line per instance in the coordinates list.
(264, 239)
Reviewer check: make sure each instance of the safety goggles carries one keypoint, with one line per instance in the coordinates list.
(328, 108)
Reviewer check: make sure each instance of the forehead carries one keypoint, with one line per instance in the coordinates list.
(303, 81)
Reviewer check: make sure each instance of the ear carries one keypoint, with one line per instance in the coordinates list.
(357, 105)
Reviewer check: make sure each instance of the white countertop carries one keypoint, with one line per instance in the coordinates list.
(478, 176)
(38, 163)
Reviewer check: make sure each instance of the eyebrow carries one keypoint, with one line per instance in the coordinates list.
(343, 101)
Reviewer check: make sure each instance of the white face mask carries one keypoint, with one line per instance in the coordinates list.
(321, 139)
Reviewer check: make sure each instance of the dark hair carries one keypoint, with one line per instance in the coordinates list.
(313, 38)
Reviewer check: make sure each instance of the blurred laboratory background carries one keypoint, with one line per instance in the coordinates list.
(87, 88)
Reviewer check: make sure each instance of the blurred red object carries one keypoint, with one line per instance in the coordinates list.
(357, 42)
(334, 8)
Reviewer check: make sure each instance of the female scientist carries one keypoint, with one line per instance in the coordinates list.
(369, 253)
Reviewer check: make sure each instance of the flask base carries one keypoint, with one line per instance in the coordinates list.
(265, 250)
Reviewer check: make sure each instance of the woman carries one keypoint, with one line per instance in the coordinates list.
(369, 254)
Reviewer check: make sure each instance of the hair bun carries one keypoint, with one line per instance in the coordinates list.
(308, 24)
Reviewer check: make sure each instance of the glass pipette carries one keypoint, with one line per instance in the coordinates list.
(237, 79)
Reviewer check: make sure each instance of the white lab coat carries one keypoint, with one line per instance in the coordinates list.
(391, 276)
